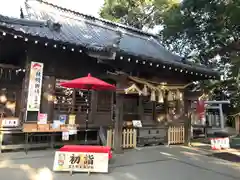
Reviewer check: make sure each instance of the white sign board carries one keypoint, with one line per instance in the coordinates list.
(65, 135)
(220, 143)
(137, 123)
(10, 122)
(42, 118)
(80, 162)
(35, 86)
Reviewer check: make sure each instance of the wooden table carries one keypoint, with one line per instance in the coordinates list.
(30, 134)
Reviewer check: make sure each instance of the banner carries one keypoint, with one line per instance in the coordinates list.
(80, 162)
(35, 86)
(201, 109)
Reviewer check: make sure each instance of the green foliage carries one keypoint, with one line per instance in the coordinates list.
(209, 27)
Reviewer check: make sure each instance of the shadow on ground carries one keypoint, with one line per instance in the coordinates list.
(226, 156)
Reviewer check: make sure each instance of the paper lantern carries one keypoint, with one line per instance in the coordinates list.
(153, 96)
(145, 90)
(170, 96)
(178, 95)
(160, 97)
(3, 98)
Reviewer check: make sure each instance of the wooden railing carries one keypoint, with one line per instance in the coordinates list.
(175, 135)
(129, 138)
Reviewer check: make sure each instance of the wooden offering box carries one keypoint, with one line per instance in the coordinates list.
(43, 127)
(30, 127)
(64, 127)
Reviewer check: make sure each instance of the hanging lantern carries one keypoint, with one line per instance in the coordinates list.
(160, 97)
(170, 96)
(153, 96)
(3, 98)
(145, 90)
(178, 95)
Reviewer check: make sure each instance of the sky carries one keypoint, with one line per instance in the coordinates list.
(91, 7)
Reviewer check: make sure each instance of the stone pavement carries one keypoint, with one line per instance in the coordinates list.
(230, 154)
(165, 163)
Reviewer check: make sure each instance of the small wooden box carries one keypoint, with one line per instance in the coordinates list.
(30, 127)
(43, 127)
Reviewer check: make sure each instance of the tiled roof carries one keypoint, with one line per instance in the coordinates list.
(88, 31)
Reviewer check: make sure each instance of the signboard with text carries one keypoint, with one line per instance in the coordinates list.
(80, 162)
(137, 123)
(35, 86)
(220, 143)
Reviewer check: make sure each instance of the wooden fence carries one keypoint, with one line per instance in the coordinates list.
(129, 138)
(175, 135)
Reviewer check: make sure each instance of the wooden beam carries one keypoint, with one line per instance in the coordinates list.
(47, 103)
(9, 66)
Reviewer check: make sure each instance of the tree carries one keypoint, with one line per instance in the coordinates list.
(136, 13)
(209, 28)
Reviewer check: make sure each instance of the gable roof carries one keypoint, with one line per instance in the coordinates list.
(87, 31)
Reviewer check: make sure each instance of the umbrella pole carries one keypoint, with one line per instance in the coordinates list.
(87, 116)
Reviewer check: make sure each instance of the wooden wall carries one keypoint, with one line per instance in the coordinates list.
(63, 65)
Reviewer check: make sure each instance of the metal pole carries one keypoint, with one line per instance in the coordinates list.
(221, 117)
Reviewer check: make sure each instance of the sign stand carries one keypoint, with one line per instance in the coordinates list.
(80, 162)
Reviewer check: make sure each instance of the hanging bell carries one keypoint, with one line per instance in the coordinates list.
(160, 97)
(145, 90)
(153, 96)
(170, 96)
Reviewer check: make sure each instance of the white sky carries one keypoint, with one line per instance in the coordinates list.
(92, 7)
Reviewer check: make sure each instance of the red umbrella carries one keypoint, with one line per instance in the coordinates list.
(88, 83)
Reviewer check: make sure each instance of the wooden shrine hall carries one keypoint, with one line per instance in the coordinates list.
(151, 81)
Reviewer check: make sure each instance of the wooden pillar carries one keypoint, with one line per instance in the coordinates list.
(140, 108)
(93, 105)
(187, 120)
(118, 123)
(47, 104)
(24, 93)
(166, 104)
(154, 114)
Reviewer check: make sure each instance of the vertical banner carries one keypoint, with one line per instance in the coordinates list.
(35, 86)
(201, 111)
